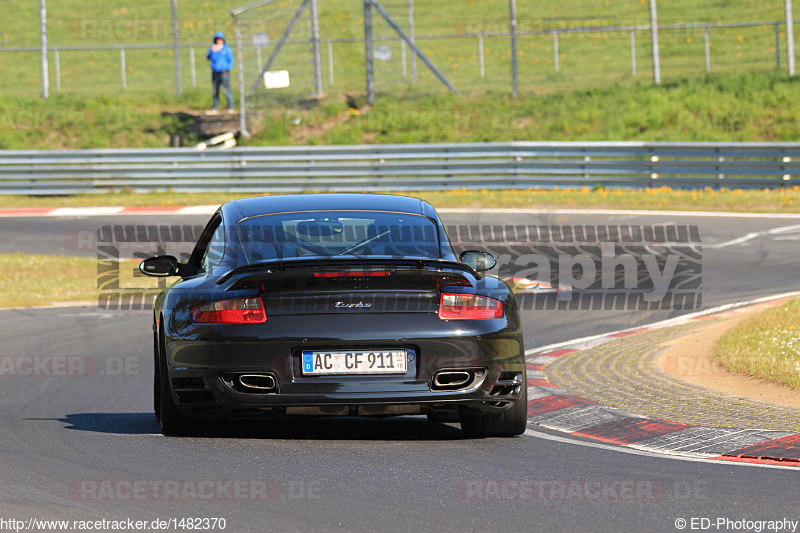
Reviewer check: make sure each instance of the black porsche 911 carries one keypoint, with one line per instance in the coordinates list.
(335, 304)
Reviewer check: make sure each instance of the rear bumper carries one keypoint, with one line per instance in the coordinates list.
(201, 359)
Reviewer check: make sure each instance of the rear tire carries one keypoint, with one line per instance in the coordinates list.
(508, 423)
(156, 376)
(173, 422)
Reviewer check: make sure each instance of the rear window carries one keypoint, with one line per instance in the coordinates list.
(343, 234)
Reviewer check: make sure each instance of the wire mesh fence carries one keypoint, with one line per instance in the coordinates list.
(559, 48)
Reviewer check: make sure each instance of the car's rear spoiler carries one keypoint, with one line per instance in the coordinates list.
(254, 275)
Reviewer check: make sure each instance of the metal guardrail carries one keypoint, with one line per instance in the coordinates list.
(515, 165)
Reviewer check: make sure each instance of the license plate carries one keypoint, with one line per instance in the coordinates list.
(355, 362)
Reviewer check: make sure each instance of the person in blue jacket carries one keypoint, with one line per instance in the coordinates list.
(221, 57)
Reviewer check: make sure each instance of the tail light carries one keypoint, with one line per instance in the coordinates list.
(232, 311)
(469, 307)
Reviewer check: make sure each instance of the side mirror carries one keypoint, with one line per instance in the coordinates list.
(479, 261)
(160, 266)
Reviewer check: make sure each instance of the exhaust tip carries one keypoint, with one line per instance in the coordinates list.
(452, 379)
(257, 382)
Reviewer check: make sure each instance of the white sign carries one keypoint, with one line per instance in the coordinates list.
(382, 53)
(260, 39)
(276, 79)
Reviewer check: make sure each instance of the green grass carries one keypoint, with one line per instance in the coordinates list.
(731, 107)
(734, 107)
(79, 121)
(662, 198)
(28, 280)
(766, 345)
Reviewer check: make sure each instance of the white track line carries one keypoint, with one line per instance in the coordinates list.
(662, 323)
(622, 449)
(630, 212)
(754, 235)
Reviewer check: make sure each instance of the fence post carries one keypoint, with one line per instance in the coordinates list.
(176, 48)
(330, 62)
(403, 66)
(315, 48)
(789, 37)
(191, 64)
(240, 52)
(512, 6)
(633, 53)
(480, 55)
(58, 70)
(654, 39)
(43, 31)
(122, 68)
(555, 50)
(777, 45)
(413, 35)
(707, 49)
(368, 52)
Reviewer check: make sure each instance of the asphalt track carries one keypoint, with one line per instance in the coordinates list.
(60, 433)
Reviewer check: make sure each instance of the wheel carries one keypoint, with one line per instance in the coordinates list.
(156, 374)
(508, 423)
(172, 421)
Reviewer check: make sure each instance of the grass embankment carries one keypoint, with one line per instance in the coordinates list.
(766, 345)
(661, 198)
(731, 107)
(30, 280)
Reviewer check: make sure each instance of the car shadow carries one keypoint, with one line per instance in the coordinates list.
(400, 428)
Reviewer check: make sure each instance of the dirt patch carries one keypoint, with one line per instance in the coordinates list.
(691, 358)
(302, 134)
